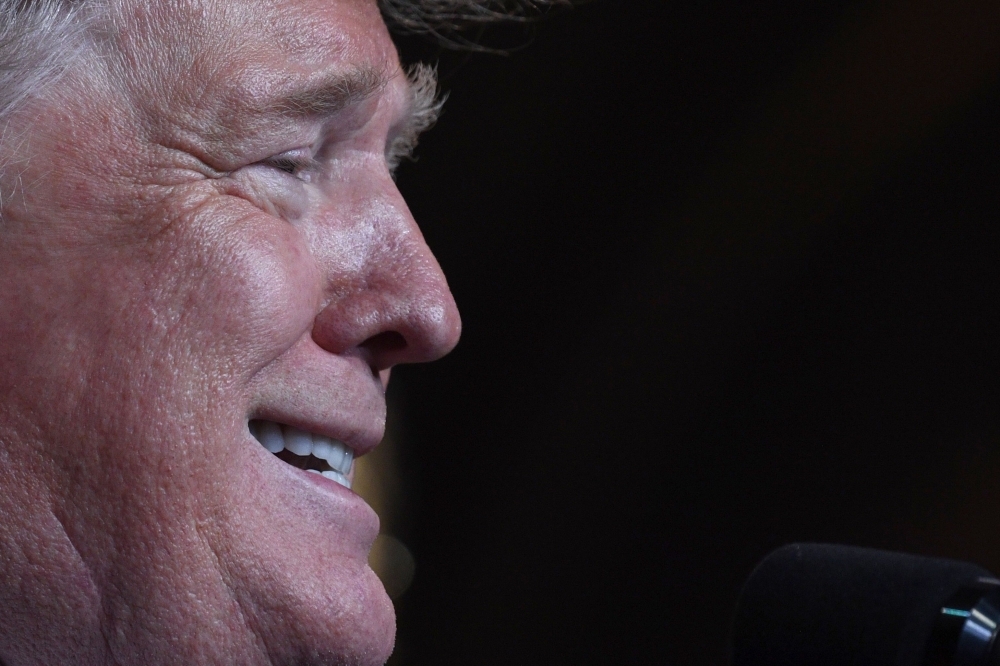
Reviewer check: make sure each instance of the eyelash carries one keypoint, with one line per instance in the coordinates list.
(298, 166)
(294, 165)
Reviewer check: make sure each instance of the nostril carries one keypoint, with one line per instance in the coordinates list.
(384, 343)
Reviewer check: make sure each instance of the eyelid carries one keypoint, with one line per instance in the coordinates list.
(293, 162)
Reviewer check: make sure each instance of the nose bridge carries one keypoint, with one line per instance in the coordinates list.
(387, 295)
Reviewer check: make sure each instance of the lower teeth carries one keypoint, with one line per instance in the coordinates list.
(333, 476)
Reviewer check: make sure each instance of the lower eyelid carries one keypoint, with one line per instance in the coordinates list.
(265, 185)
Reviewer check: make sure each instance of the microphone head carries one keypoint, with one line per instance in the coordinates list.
(828, 605)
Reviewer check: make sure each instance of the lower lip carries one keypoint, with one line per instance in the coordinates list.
(325, 504)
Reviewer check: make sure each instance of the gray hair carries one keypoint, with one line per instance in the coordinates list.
(39, 38)
(28, 61)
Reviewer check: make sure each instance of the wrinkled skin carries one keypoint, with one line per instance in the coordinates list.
(162, 283)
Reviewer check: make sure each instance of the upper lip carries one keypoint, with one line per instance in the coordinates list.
(323, 394)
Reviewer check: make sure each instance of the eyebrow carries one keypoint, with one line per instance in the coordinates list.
(331, 94)
(340, 90)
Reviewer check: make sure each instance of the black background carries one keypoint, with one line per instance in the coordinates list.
(728, 275)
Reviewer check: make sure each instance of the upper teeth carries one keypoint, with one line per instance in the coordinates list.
(276, 437)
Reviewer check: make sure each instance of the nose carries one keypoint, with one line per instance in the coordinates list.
(387, 298)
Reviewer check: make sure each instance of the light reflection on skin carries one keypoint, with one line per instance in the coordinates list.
(160, 285)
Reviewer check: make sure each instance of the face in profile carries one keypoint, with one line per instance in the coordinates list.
(207, 273)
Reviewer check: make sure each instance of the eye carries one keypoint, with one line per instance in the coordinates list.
(285, 164)
(296, 163)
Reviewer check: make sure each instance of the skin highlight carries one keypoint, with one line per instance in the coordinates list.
(162, 284)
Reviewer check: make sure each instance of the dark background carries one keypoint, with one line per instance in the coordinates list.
(728, 274)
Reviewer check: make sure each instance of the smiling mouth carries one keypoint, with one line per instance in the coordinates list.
(307, 451)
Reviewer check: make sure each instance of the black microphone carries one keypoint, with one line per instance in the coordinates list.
(826, 605)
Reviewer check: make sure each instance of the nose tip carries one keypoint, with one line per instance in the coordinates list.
(402, 311)
(415, 325)
(424, 331)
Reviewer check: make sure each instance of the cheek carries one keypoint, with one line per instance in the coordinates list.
(250, 289)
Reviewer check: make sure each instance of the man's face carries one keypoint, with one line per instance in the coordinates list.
(200, 232)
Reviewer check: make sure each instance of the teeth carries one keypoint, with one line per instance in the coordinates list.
(338, 477)
(335, 476)
(336, 454)
(322, 447)
(270, 436)
(298, 442)
(275, 438)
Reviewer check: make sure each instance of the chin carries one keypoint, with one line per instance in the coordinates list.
(375, 627)
(356, 627)
(297, 561)
(341, 618)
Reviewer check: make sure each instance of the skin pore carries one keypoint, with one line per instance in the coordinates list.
(203, 230)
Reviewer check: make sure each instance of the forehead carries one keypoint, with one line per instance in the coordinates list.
(226, 54)
(307, 31)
